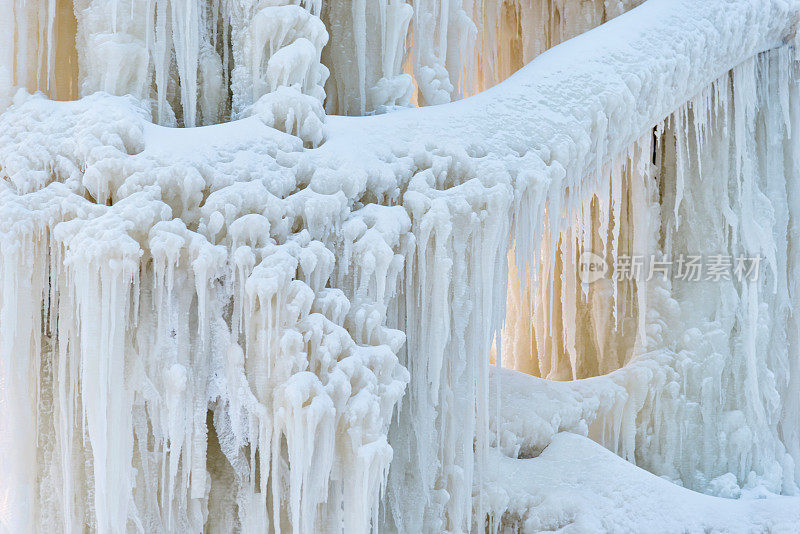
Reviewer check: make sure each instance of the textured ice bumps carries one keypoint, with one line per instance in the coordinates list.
(168, 365)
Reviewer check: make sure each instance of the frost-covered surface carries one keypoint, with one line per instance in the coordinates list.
(223, 328)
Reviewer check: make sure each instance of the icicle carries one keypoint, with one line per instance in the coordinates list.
(186, 37)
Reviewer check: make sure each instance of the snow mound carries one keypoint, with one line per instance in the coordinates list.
(576, 485)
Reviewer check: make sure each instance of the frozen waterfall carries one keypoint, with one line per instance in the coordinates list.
(399, 265)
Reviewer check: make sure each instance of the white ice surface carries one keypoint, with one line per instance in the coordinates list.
(575, 485)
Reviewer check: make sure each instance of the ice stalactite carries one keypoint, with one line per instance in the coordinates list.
(112, 48)
(24, 290)
(155, 325)
(178, 54)
(202, 62)
(708, 358)
(38, 48)
(276, 46)
(449, 309)
(504, 45)
(442, 32)
(155, 49)
(564, 323)
(366, 54)
(456, 48)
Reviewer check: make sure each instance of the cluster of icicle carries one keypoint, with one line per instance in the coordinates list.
(205, 344)
(197, 342)
(700, 377)
(172, 351)
(205, 61)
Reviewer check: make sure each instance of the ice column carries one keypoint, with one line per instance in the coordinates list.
(366, 54)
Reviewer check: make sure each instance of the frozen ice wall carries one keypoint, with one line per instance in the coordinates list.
(505, 44)
(199, 62)
(283, 320)
(173, 321)
(386, 54)
(37, 39)
(706, 359)
(203, 62)
(366, 54)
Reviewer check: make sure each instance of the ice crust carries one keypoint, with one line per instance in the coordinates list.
(284, 322)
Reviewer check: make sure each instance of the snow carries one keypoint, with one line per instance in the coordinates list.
(285, 321)
(575, 485)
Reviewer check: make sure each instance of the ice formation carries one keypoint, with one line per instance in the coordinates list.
(277, 319)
